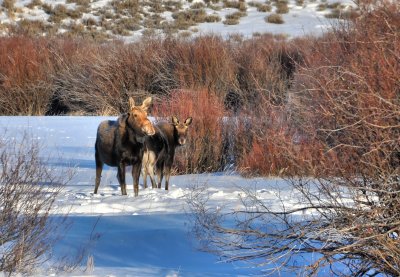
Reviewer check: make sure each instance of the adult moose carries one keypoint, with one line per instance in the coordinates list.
(160, 149)
(121, 142)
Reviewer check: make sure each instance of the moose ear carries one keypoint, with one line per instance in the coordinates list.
(146, 103)
(175, 120)
(122, 119)
(188, 121)
(131, 103)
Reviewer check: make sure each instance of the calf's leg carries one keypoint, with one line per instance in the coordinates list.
(167, 175)
(160, 174)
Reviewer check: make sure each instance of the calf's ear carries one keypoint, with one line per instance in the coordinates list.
(146, 103)
(175, 120)
(188, 121)
(131, 103)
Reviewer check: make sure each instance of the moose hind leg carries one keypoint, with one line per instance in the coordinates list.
(121, 178)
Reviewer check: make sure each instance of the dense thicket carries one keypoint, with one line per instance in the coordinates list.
(229, 76)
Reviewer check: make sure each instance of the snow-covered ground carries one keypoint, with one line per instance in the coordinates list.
(148, 235)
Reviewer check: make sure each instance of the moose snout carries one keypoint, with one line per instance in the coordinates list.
(149, 129)
(182, 141)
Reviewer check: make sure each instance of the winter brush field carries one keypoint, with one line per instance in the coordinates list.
(148, 235)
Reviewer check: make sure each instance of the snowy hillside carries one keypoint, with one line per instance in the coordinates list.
(130, 20)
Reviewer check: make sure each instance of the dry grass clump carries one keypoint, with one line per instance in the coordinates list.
(188, 18)
(322, 7)
(34, 3)
(231, 21)
(32, 28)
(79, 2)
(172, 6)
(264, 8)
(282, 7)
(240, 5)
(260, 6)
(153, 21)
(212, 18)
(198, 5)
(342, 14)
(233, 18)
(274, 18)
(9, 5)
(126, 7)
(61, 12)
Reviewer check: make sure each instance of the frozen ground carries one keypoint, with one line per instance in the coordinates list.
(148, 235)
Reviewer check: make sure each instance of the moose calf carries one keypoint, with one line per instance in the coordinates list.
(160, 150)
(120, 143)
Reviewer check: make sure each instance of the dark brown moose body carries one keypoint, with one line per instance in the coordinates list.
(160, 150)
(121, 143)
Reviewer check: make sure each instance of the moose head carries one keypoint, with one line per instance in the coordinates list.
(137, 117)
(180, 129)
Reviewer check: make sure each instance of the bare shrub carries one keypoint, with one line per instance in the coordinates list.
(342, 219)
(115, 73)
(203, 151)
(25, 65)
(28, 190)
(203, 62)
(275, 146)
(266, 71)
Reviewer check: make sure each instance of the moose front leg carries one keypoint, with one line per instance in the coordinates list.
(135, 175)
(121, 178)
(99, 169)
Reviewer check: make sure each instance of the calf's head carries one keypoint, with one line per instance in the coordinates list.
(137, 118)
(180, 129)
